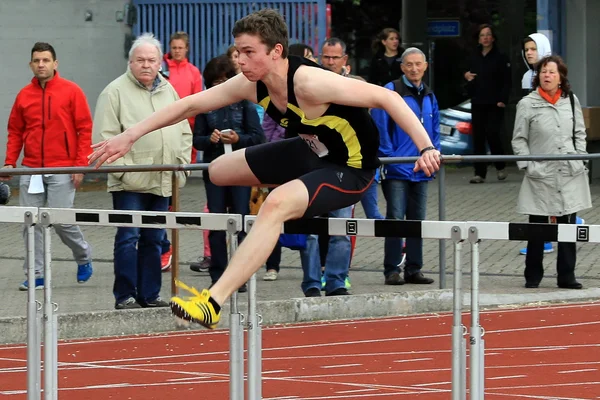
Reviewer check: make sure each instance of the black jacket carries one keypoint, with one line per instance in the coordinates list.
(493, 81)
(242, 117)
(381, 73)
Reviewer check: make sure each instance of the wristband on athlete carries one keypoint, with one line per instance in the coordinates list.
(426, 149)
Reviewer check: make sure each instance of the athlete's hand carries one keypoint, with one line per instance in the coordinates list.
(111, 150)
(429, 162)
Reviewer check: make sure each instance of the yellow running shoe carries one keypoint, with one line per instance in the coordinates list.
(196, 308)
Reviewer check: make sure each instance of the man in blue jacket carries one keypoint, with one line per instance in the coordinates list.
(405, 191)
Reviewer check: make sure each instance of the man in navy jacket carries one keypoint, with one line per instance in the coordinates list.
(405, 191)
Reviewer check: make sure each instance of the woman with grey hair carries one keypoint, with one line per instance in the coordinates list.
(550, 121)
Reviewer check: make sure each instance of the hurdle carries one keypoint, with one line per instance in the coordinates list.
(472, 232)
(47, 217)
(28, 216)
(440, 230)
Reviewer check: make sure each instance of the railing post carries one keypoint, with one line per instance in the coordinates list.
(174, 234)
(442, 217)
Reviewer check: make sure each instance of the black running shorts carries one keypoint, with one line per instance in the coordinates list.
(330, 186)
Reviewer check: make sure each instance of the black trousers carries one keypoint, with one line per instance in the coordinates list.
(487, 127)
(565, 260)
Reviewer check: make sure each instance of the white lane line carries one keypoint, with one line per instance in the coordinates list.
(550, 349)
(505, 377)
(553, 384)
(193, 378)
(413, 360)
(578, 370)
(530, 396)
(340, 366)
(356, 391)
(432, 384)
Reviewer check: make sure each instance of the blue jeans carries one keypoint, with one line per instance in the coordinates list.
(166, 243)
(370, 204)
(405, 199)
(336, 264)
(218, 198)
(137, 250)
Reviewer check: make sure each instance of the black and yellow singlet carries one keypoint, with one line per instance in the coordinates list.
(348, 134)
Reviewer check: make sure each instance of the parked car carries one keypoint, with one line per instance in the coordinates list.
(456, 130)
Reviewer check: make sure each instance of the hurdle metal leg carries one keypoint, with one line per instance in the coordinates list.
(39, 326)
(50, 342)
(236, 334)
(475, 337)
(33, 343)
(458, 330)
(254, 345)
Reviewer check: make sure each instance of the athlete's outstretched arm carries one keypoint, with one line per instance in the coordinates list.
(323, 87)
(233, 90)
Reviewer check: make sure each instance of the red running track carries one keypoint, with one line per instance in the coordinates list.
(548, 352)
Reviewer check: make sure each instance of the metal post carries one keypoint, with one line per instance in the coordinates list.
(54, 346)
(442, 217)
(38, 351)
(475, 333)
(458, 349)
(174, 235)
(254, 345)
(48, 313)
(236, 331)
(33, 346)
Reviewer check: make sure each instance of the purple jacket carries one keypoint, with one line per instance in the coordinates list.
(273, 131)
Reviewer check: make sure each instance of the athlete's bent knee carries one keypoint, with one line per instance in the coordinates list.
(281, 208)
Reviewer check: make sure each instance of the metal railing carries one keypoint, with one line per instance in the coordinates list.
(441, 178)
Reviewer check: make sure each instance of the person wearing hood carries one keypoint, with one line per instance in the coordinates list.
(535, 47)
(488, 83)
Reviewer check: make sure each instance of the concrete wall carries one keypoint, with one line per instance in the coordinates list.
(89, 53)
(582, 55)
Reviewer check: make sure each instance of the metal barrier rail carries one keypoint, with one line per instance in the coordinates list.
(447, 159)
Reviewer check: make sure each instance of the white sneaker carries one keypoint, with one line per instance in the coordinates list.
(271, 275)
(477, 179)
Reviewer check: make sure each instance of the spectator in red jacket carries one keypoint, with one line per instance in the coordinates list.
(51, 122)
(187, 80)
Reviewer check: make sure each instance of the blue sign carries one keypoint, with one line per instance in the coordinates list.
(443, 28)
